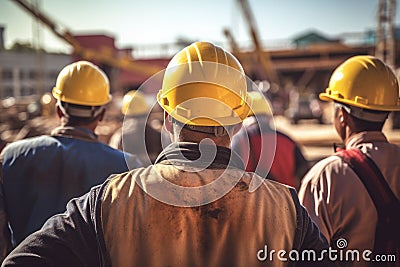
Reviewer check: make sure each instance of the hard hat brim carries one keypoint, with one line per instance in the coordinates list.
(203, 121)
(206, 121)
(328, 97)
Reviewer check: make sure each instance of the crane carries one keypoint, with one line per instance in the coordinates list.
(262, 56)
(232, 42)
(120, 62)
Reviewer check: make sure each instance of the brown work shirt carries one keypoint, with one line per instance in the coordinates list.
(337, 200)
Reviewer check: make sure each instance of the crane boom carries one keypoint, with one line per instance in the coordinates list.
(232, 42)
(263, 56)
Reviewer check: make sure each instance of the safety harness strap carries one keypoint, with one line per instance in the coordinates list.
(371, 177)
(387, 235)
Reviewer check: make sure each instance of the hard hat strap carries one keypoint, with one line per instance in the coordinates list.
(364, 114)
(82, 112)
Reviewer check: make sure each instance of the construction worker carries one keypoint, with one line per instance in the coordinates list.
(136, 136)
(265, 150)
(193, 207)
(41, 174)
(336, 191)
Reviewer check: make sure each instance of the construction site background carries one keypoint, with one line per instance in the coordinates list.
(300, 66)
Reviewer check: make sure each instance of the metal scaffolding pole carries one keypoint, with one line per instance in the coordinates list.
(385, 32)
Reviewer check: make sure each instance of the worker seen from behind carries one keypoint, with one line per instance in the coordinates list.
(40, 175)
(354, 195)
(137, 136)
(265, 150)
(195, 198)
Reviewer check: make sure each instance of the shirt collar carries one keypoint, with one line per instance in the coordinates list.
(365, 137)
(75, 132)
(200, 155)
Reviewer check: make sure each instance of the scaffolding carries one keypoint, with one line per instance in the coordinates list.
(385, 32)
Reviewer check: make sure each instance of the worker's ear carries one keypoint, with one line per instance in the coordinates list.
(338, 116)
(167, 122)
(343, 116)
(340, 121)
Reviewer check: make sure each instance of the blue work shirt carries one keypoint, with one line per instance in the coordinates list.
(41, 174)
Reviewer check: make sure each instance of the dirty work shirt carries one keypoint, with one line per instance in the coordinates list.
(122, 224)
(41, 174)
(337, 200)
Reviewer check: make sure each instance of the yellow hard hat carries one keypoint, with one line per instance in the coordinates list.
(204, 85)
(134, 104)
(82, 83)
(259, 105)
(364, 82)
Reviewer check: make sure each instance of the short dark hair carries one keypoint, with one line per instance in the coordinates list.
(363, 125)
(77, 120)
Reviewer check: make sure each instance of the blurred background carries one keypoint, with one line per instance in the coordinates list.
(289, 48)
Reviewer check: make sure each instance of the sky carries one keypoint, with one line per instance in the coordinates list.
(145, 22)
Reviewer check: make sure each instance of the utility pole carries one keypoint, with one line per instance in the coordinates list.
(385, 47)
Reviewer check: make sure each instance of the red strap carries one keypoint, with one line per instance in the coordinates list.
(372, 178)
(387, 233)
